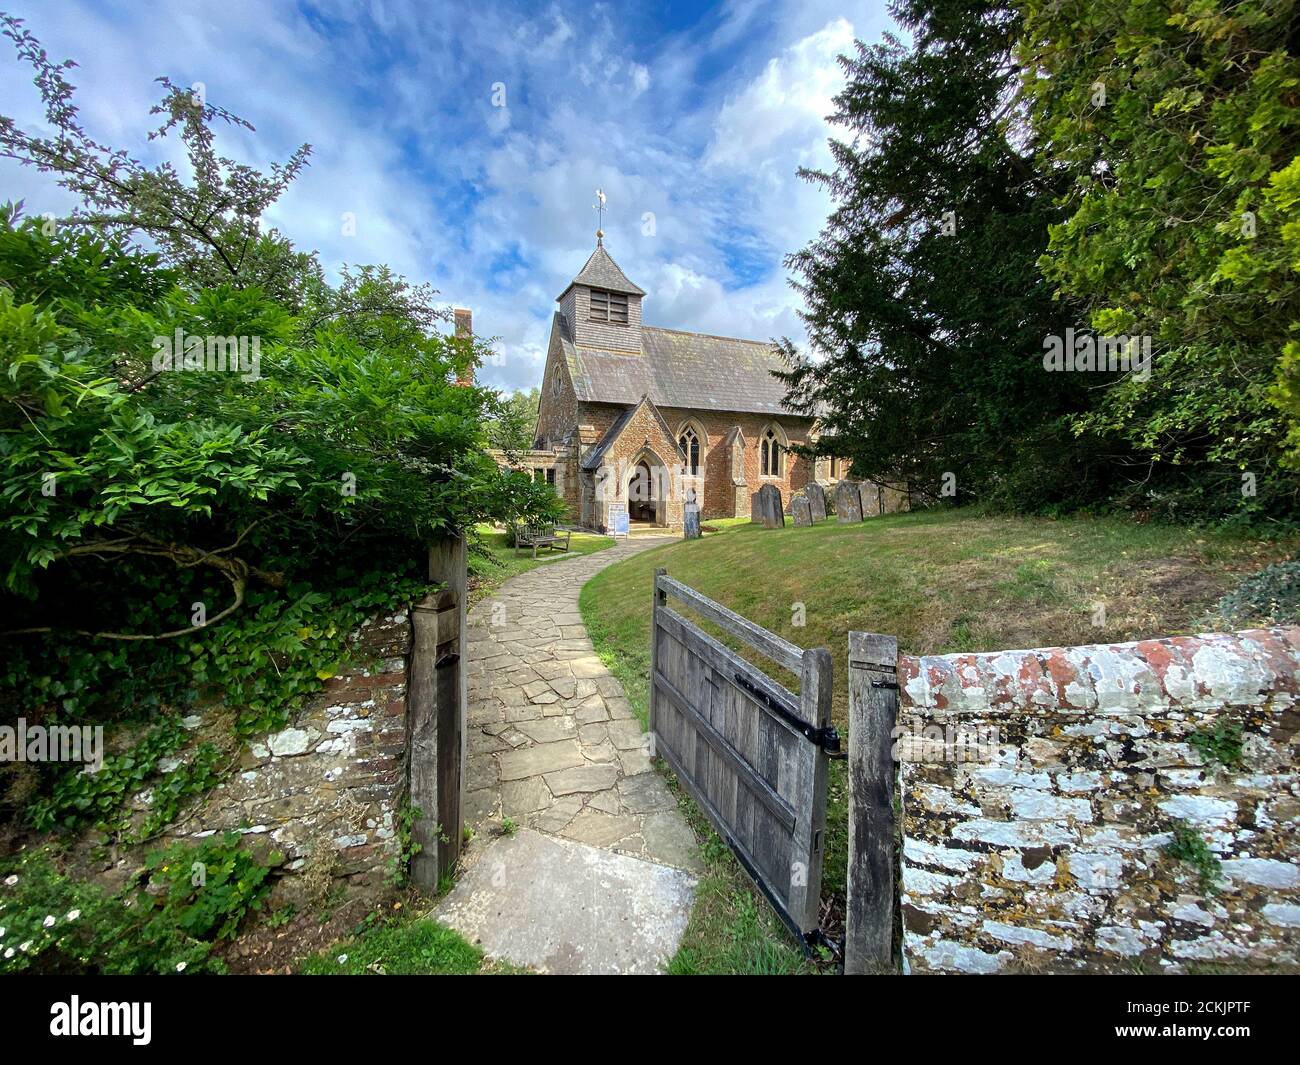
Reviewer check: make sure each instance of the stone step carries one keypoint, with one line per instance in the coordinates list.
(568, 908)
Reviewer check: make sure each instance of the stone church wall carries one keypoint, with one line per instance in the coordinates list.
(721, 500)
(557, 411)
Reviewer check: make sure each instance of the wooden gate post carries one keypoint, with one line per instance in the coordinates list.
(873, 709)
(437, 699)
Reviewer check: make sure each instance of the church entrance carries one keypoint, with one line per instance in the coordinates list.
(642, 504)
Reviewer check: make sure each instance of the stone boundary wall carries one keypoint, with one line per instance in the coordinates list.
(1040, 789)
(325, 791)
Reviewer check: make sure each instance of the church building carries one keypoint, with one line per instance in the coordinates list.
(645, 419)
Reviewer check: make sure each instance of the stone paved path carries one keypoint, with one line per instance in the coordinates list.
(553, 743)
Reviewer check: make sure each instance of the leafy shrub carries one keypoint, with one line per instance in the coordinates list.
(209, 888)
(50, 923)
(1269, 597)
(174, 537)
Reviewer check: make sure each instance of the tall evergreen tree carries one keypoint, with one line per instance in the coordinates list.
(925, 307)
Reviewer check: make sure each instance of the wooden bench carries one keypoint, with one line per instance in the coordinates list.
(536, 536)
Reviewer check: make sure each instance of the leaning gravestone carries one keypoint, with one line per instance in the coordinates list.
(769, 507)
(691, 525)
(816, 501)
(801, 509)
(848, 501)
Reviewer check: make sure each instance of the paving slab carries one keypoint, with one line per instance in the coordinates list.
(554, 736)
(564, 907)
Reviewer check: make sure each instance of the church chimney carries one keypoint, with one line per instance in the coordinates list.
(464, 330)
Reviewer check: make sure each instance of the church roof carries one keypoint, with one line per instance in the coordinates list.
(677, 369)
(602, 271)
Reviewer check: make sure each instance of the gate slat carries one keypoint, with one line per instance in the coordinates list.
(780, 651)
(781, 809)
(719, 724)
(698, 642)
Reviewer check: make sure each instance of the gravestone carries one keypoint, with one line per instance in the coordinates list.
(769, 507)
(816, 500)
(896, 501)
(801, 509)
(691, 523)
(872, 499)
(754, 515)
(848, 501)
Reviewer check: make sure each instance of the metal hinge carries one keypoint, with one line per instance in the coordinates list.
(827, 738)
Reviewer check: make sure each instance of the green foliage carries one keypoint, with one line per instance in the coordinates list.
(400, 865)
(189, 779)
(1220, 745)
(1175, 125)
(1270, 596)
(56, 924)
(1120, 167)
(208, 889)
(1187, 846)
(174, 534)
(410, 948)
(515, 424)
(80, 797)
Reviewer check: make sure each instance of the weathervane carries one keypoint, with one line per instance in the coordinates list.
(599, 208)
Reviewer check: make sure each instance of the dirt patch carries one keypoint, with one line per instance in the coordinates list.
(1161, 597)
(263, 950)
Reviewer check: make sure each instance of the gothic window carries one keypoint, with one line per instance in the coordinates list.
(769, 449)
(608, 307)
(689, 442)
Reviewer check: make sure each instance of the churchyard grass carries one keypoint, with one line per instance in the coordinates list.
(941, 582)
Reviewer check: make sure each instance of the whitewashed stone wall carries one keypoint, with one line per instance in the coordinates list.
(1041, 788)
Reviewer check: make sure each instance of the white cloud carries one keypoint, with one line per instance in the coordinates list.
(704, 126)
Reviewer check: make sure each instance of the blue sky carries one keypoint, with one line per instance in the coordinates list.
(697, 116)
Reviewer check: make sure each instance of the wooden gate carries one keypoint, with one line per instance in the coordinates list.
(750, 753)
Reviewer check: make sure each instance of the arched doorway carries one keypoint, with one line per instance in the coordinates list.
(642, 504)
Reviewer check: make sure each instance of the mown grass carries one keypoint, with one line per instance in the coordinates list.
(499, 563)
(420, 947)
(939, 581)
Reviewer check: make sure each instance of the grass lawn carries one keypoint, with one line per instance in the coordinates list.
(498, 563)
(410, 948)
(940, 581)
